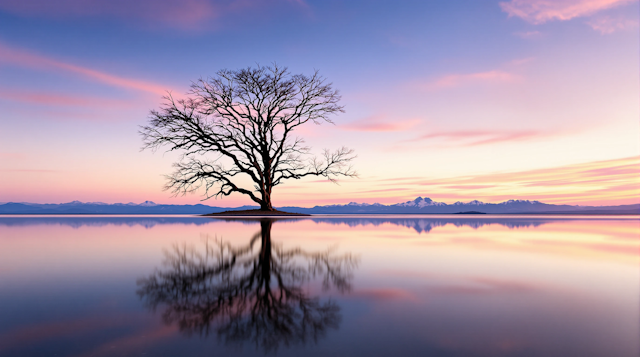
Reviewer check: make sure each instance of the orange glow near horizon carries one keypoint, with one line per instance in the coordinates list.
(598, 183)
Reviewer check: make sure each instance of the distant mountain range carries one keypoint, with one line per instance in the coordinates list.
(418, 206)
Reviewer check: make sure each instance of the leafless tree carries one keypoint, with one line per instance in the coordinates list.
(239, 124)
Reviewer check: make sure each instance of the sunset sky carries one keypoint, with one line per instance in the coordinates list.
(452, 100)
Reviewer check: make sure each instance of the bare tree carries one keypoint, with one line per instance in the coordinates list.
(239, 124)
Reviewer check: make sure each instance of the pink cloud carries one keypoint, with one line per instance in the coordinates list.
(456, 80)
(481, 137)
(468, 187)
(382, 190)
(607, 25)
(378, 123)
(43, 98)
(610, 171)
(609, 182)
(506, 137)
(401, 179)
(25, 59)
(78, 113)
(631, 168)
(541, 11)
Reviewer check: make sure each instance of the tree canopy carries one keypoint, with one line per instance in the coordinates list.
(240, 123)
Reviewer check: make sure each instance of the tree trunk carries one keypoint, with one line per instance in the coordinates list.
(266, 205)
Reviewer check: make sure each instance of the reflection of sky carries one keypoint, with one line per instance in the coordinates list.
(551, 287)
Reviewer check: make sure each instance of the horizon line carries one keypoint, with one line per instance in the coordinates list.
(327, 205)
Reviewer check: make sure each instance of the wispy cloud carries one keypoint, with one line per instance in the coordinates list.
(468, 187)
(49, 99)
(22, 58)
(380, 123)
(603, 171)
(480, 137)
(382, 190)
(608, 25)
(600, 182)
(457, 80)
(541, 11)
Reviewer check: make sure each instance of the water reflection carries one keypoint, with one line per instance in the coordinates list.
(417, 223)
(252, 293)
(566, 287)
(425, 225)
(98, 221)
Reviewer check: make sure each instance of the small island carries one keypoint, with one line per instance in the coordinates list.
(470, 212)
(255, 212)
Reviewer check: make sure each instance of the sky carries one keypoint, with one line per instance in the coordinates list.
(452, 100)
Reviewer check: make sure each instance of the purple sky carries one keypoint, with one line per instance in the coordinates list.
(453, 100)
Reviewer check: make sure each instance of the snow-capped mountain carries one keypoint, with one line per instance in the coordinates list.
(356, 204)
(420, 202)
(471, 203)
(524, 202)
(425, 205)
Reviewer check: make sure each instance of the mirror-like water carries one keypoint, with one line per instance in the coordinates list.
(321, 286)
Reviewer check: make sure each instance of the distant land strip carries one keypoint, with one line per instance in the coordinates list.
(418, 206)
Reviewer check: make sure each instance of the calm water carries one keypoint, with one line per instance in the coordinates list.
(327, 286)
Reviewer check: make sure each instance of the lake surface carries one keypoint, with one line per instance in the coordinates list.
(321, 286)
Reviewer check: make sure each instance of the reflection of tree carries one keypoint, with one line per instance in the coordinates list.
(248, 294)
